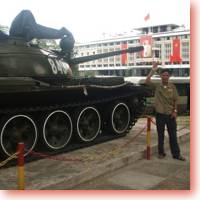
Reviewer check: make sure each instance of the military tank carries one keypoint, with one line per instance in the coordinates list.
(44, 106)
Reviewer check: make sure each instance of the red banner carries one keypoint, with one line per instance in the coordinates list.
(124, 55)
(146, 41)
(176, 57)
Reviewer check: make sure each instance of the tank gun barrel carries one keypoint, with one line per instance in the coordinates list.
(79, 60)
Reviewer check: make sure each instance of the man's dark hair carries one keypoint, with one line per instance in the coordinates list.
(165, 70)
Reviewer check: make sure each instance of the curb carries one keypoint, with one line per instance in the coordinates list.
(101, 169)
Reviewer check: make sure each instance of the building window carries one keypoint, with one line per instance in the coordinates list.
(167, 50)
(111, 59)
(163, 28)
(105, 50)
(99, 51)
(145, 30)
(130, 57)
(157, 39)
(185, 50)
(155, 29)
(117, 59)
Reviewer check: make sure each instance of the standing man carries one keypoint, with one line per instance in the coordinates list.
(166, 97)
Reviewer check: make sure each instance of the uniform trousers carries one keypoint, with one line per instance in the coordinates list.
(163, 120)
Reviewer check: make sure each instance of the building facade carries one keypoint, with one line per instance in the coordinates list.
(165, 39)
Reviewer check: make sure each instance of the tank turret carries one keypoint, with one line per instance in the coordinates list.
(49, 111)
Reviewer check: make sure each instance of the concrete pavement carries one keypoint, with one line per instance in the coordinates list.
(154, 174)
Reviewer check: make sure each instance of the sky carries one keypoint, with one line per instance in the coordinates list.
(91, 19)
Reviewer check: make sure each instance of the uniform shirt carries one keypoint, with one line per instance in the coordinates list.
(165, 97)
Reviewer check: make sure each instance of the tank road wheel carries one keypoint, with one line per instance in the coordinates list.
(120, 118)
(18, 128)
(57, 130)
(88, 124)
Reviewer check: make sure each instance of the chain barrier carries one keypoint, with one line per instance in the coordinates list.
(88, 157)
(153, 122)
(181, 128)
(52, 157)
(130, 141)
(115, 150)
(13, 156)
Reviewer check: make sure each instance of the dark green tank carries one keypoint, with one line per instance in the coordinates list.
(42, 105)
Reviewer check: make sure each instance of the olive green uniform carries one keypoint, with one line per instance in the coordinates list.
(166, 98)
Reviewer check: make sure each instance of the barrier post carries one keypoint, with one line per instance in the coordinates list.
(148, 138)
(21, 166)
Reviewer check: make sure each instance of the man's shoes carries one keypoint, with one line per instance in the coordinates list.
(180, 158)
(161, 155)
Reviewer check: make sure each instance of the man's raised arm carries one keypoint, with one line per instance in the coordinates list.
(151, 73)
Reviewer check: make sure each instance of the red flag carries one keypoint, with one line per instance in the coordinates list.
(147, 17)
(175, 57)
(124, 55)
